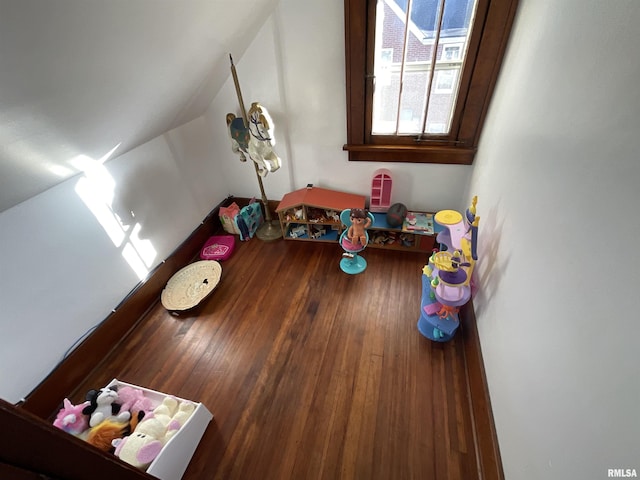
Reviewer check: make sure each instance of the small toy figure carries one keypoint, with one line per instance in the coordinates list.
(360, 221)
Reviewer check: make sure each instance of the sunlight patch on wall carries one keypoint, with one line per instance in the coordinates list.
(130, 254)
(143, 246)
(101, 209)
(97, 190)
(61, 171)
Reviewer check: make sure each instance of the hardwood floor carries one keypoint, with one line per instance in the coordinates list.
(310, 373)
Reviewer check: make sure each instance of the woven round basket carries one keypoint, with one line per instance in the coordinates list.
(190, 285)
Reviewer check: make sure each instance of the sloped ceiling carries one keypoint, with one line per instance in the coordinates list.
(85, 77)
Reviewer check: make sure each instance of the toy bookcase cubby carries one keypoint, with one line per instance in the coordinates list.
(313, 213)
(383, 235)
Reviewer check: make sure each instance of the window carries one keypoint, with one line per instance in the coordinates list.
(420, 74)
(451, 52)
(445, 80)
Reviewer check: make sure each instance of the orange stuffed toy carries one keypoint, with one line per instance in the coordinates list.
(105, 432)
(360, 221)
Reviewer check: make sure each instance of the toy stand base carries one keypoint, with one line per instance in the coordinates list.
(438, 329)
(432, 326)
(269, 231)
(433, 333)
(354, 265)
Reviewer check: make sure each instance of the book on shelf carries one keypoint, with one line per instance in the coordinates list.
(418, 222)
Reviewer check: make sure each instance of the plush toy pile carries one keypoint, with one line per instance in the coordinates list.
(125, 422)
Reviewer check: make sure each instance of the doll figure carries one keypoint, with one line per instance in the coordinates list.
(360, 221)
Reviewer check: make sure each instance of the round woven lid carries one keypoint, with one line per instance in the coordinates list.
(190, 285)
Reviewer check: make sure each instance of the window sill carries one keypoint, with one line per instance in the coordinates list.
(411, 154)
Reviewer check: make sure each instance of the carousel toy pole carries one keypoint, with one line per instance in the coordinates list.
(267, 231)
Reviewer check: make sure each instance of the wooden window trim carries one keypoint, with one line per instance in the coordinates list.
(489, 40)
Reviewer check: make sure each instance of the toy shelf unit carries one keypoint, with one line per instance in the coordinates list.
(380, 191)
(313, 213)
(383, 235)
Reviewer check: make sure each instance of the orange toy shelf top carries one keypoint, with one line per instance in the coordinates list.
(321, 198)
(312, 213)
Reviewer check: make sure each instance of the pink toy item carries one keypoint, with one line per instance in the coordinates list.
(133, 400)
(218, 247)
(432, 308)
(71, 419)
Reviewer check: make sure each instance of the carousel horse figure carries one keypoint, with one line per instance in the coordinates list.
(254, 140)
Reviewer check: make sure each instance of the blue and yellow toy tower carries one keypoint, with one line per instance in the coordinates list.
(447, 277)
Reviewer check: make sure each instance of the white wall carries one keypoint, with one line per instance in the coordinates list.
(77, 76)
(295, 67)
(61, 272)
(557, 177)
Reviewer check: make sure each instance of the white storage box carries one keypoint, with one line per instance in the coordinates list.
(175, 456)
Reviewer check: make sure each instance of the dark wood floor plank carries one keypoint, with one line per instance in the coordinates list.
(310, 373)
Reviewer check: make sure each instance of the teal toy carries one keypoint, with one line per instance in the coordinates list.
(354, 239)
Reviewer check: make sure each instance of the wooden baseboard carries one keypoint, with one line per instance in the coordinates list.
(48, 395)
(486, 439)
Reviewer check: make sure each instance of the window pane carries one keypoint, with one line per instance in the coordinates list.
(443, 93)
(412, 105)
(388, 58)
(417, 64)
(385, 105)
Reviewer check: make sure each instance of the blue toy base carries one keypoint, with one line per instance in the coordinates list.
(432, 326)
(438, 329)
(433, 333)
(354, 265)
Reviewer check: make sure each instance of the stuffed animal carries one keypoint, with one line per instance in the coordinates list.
(103, 434)
(136, 418)
(103, 405)
(153, 432)
(133, 400)
(71, 418)
(360, 221)
(138, 449)
(166, 419)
